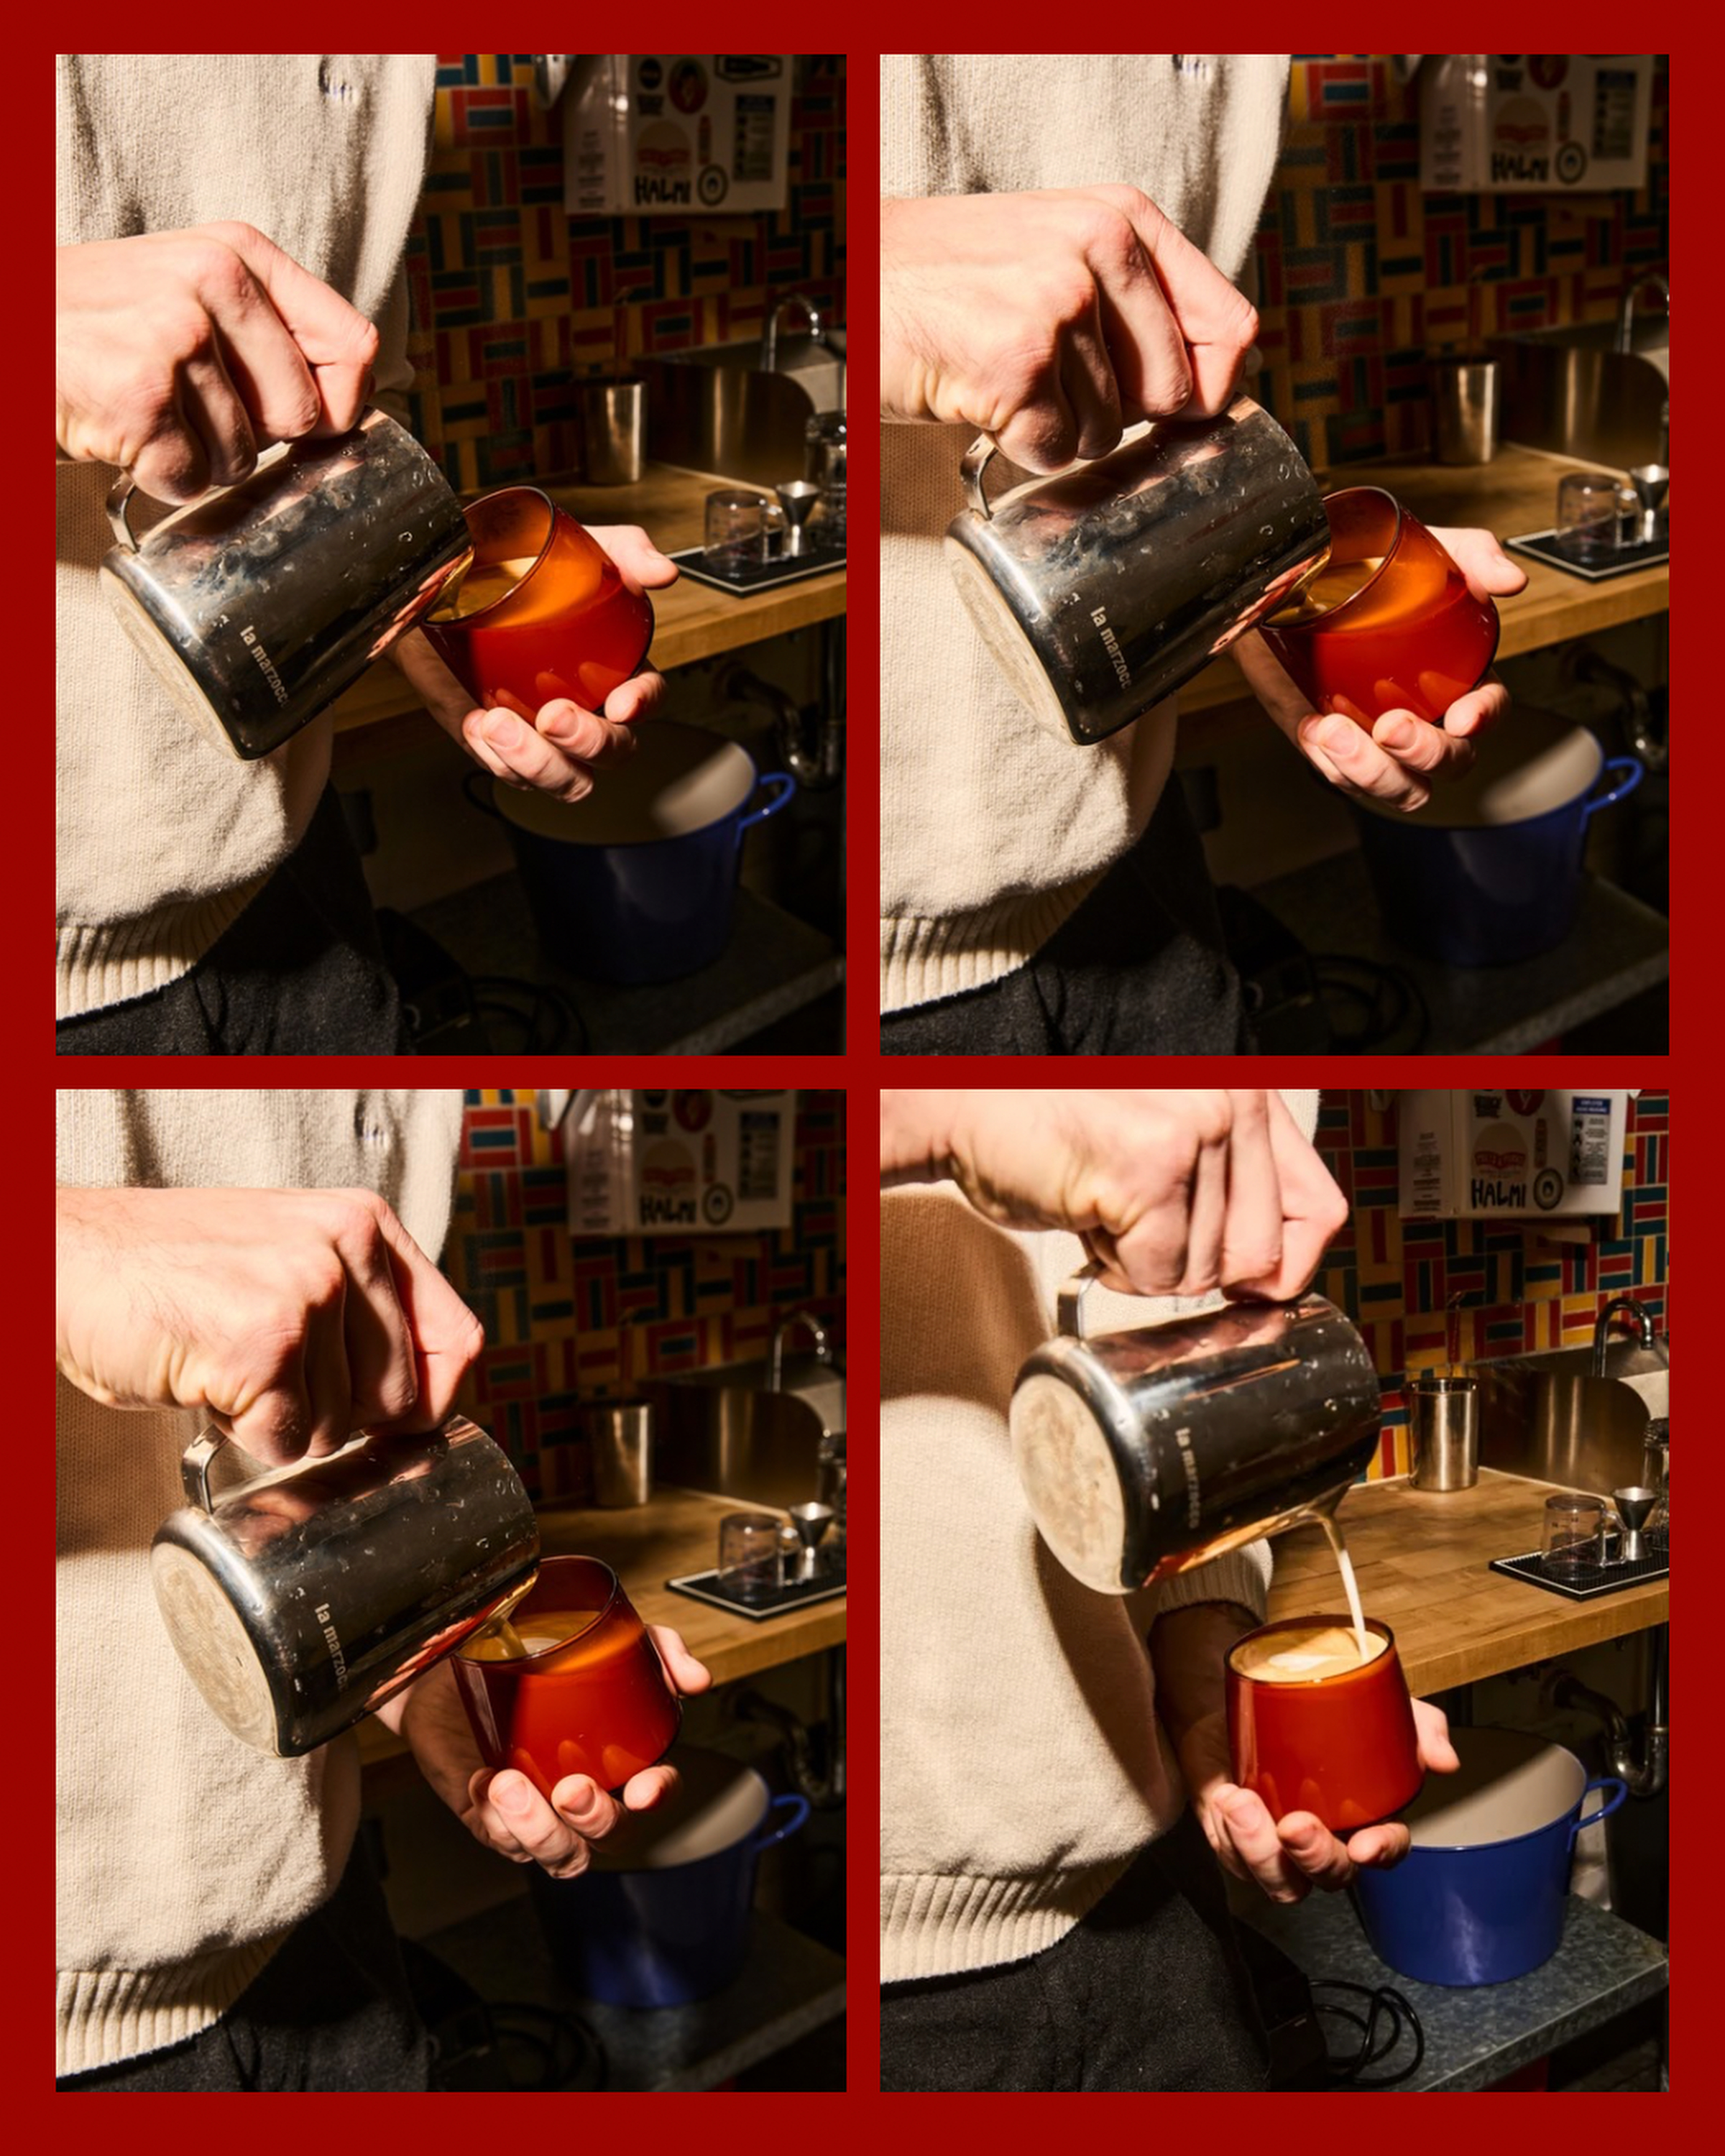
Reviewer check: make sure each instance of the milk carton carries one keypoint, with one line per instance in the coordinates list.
(1491, 1153)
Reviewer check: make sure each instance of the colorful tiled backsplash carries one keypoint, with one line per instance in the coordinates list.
(569, 1322)
(509, 293)
(1394, 1276)
(1361, 275)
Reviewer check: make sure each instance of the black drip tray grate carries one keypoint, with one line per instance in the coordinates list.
(704, 1587)
(1592, 1580)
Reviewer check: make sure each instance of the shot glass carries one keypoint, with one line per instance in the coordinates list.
(1574, 1529)
(741, 527)
(1389, 624)
(591, 1699)
(749, 1555)
(557, 618)
(1591, 511)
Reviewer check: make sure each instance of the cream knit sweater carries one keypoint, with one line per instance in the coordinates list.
(992, 831)
(1022, 1766)
(162, 839)
(185, 1857)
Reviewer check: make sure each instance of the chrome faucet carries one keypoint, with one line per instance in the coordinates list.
(1634, 282)
(781, 1327)
(1602, 1330)
(769, 335)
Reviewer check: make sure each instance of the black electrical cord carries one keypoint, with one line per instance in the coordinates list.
(1386, 998)
(512, 2045)
(550, 1020)
(1388, 2007)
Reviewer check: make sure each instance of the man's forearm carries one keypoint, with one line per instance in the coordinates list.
(914, 1128)
(1187, 1651)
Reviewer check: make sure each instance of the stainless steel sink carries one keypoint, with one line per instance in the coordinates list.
(715, 408)
(721, 1429)
(1570, 390)
(1548, 1416)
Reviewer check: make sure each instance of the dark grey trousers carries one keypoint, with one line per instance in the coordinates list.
(329, 2011)
(299, 973)
(1148, 1992)
(1140, 969)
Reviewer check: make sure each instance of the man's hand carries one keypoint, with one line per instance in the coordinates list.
(1403, 756)
(1289, 1856)
(505, 1811)
(1177, 1192)
(292, 1317)
(1286, 1857)
(180, 355)
(1052, 320)
(560, 752)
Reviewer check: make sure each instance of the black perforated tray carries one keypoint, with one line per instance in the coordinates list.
(1643, 554)
(761, 575)
(703, 1587)
(1592, 1580)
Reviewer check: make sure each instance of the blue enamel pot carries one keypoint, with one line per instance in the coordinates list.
(1489, 870)
(661, 1916)
(1480, 1896)
(636, 882)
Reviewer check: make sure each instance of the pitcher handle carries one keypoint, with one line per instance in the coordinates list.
(195, 1467)
(970, 470)
(787, 786)
(1635, 772)
(1620, 1791)
(795, 1810)
(119, 496)
(1070, 1304)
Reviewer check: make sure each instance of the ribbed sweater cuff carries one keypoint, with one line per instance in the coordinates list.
(1230, 1577)
(114, 962)
(934, 1925)
(108, 2015)
(923, 960)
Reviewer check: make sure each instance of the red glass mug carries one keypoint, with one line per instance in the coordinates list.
(595, 1702)
(1410, 637)
(560, 620)
(1342, 1746)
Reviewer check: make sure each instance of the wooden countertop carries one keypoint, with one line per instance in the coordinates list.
(1516, 493)
(1421, 1557)
(692, 621)
(677, 1534)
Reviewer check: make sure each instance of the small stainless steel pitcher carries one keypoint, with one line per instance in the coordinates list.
(1101, 591)
(256, 607)
(1143, 1452)
(302, 1598)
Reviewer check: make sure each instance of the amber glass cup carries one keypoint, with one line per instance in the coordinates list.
(596, 1703)
(561, 623)
(1342, 1746)
(1410, 638)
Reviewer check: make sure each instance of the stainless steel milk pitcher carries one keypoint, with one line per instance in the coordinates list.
(256, 607)
(1143, 1452)
(1101, 591)
(300, 1599)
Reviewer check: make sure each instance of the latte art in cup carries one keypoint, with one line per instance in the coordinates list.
(1304, 1656)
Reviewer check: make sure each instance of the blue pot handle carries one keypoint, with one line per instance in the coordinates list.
(795, 1810)
(1618, 1790)
(1633, 776)
(787, 786)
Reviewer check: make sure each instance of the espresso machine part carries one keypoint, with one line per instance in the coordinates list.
(1143, 1453)
(1101, 591)
(257, 606)
(303, 1598)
